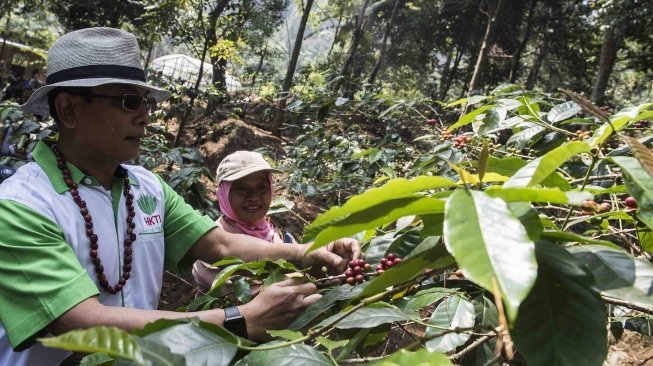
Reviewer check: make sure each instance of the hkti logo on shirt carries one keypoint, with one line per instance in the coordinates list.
(152, 222)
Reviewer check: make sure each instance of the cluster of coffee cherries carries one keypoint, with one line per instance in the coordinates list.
(589, 207)
(461, 141)
(431, 121)
(357, 268)
(387, 262)
(582, 135)
(354, 274)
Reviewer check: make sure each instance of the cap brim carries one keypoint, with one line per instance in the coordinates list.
(248, 171)
(38, 101)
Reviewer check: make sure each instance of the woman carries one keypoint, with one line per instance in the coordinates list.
(245, 189)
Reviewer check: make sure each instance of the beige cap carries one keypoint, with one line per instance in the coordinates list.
(241, 163)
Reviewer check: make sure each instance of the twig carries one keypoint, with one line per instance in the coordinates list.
(457, 356)
(596, 177)
(626, 304)
(505, 335)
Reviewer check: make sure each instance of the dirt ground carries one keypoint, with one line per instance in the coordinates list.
(222, 138)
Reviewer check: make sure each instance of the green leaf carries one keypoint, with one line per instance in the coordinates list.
(494, 119)
(405, 243)
(242, 289)
(393, 189)
(294, 355)
(383, 213)
(111, 341)
(640, 185)
(479, 232)
(486, 312)
(427, 297)
(619, 121)
(429, 254)
(432, 224)
(538, 194)
(563, 111)
(157, 354)
(377, 247)
(96, 359)
(369, 317)
(199, 346)
(529, 217)
(469, 117)
(562, 321)
(509, 166)
(285, 334)
(421, 357)
(325, 303)
(556, 235)
(540, 168)
(618, 274)
(329, 344)
(454, 312)
(525, 137)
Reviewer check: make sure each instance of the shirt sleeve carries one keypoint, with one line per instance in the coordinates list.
(41, 278)
(183, 226)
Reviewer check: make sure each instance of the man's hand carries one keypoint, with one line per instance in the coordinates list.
(277, 306)
(335, 255)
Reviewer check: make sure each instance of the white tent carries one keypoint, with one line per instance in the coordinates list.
(186, 68)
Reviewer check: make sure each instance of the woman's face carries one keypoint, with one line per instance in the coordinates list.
(250, 197)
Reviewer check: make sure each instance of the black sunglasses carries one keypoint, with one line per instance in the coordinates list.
(131, 102)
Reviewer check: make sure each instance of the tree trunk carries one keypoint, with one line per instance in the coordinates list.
(537, 64)
(218, 69)
(335, 37)
(290, 73)
(516, 56)
(149, 55)
(450, 76)
(612, 41)
(482, 53)
(260, 64)
(384, 45)
(191, 103)
(355, 40)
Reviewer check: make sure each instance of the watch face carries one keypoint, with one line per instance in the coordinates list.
(234, 322)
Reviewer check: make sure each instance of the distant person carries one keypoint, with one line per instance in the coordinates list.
(14, 89)
(85, 237)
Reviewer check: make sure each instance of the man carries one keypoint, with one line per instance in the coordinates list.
(85, 238)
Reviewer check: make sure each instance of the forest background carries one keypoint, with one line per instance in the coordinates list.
(389, 109)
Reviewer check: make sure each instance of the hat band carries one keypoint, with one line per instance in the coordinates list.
(97, 71)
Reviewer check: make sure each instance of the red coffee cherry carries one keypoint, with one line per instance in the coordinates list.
(350, 280)
(349, 273)
(359, 278)
(367, 266)
(353, 264)
(391, 257)
(631, 202)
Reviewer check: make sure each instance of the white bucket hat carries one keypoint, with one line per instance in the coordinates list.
(242, 163)
(91, 57)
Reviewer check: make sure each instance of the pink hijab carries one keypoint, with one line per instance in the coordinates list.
(262, 229)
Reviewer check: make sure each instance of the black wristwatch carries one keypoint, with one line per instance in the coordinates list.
(234, 322)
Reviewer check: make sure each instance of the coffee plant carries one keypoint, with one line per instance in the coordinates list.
(526, 241)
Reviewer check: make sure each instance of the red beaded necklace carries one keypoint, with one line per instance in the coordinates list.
(129, 238)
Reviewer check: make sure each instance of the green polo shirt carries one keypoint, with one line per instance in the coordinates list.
(44, 264)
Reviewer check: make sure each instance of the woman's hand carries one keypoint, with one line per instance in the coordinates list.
(335, 256)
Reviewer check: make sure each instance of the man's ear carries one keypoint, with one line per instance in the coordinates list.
(64, 103)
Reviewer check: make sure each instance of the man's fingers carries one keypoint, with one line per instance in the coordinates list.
(299, 284)
(309, 300)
